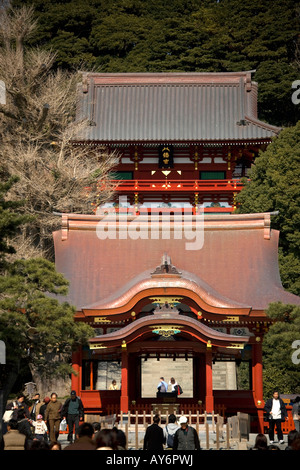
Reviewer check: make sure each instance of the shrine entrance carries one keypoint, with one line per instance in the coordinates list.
(163, 343)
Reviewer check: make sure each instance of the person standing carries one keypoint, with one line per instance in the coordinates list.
(21, 415)
(73, 412)
(169, 431)
(40, 428)
(154, 436)
(186, 437)
(35, 407)
(44, 406)
(52, 416)
(276, 414)
(162, 387)
(296, 413)
(173, 384)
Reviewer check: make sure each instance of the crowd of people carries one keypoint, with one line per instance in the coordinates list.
(37, 427)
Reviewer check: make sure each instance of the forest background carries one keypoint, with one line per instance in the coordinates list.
(199, 36)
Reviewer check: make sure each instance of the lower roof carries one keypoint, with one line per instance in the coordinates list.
(236, 266)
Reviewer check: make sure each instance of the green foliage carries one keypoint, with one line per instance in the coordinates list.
(34, 324)
(36, 327)
(274, 186)
(179, 36)
(10, 220)
(280, 371)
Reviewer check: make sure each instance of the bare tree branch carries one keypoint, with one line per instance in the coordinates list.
(37, 130)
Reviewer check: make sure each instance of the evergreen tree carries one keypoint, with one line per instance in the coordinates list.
(281, 350)
(37, 329)
(274, 186)
(10, 221)
(180, 36)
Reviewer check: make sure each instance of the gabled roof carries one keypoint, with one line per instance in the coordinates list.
(187, 283)
(183, 107)
(237, 264)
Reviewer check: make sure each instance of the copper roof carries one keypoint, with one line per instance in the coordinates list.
(171, 107)
(133, 330)
(237, 265)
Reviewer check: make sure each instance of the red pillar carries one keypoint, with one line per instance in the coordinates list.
(257, 381)
(209, 398)
(124, 381)
(76, 365)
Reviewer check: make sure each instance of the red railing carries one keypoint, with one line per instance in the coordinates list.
(286, 426)
(178, 185)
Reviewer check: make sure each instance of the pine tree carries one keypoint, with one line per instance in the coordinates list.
(10, 221)
(37, 329)
(274, 186)
(281, 350)
(180, 36)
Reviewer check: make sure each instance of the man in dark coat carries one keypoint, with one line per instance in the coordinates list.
(276, 414)
(186, 437)
(154, 437)
(73, 412)
(21, 414)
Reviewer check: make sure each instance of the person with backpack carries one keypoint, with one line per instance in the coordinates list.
(162, 386)
(169, 431)
(73, 412)
(173, 384)
(176, 388)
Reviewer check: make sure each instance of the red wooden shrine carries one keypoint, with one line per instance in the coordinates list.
(169, 271)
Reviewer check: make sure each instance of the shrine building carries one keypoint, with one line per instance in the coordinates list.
(172, 280)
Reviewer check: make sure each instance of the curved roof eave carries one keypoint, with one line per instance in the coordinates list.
(143, 285)
(130, 332)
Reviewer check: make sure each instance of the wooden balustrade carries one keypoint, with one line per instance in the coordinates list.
(141, 185)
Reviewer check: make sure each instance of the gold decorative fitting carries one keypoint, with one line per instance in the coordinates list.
(165, 300)
(101, 320)
(124, 345)
(165, 330)
(209, 345)
(196, 158)
(235, 346)
(97, 346)
(136, 158)
(257, 339)
(133, 314)
(229, 158)
(231, 319)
